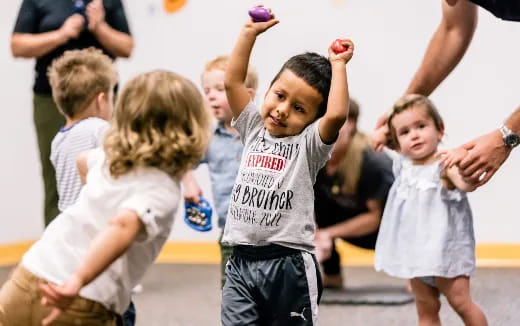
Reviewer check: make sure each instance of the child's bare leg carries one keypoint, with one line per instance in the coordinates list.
(427, 303)
(457, 292)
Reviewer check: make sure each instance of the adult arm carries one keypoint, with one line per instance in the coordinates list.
(447, 46)
(513, 122)
(359, 225)
(486, 153)
(27, 45)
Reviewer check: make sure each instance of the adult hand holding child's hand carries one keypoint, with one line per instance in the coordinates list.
(451, 157)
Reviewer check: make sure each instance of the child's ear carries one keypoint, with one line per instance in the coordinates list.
(441, 132)
(101, 98)
(252, 93)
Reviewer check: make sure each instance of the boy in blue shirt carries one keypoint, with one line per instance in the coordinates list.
(225, 149)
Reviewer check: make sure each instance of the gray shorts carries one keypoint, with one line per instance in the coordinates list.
(270, 285)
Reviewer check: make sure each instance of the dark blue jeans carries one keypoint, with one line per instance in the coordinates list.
(129, 315)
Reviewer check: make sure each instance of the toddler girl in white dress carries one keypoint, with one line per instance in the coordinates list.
(426, 233)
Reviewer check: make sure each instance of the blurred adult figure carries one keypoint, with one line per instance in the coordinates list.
(44, 30)
(350, 194)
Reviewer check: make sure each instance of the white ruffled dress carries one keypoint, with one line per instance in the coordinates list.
(426, 229)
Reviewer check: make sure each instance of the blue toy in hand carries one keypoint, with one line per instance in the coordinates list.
(198, 216)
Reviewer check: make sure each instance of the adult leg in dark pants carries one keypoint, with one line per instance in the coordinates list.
(48, 121)
(332, 277)
(129, 315)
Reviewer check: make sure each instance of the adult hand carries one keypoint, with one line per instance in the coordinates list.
(323, 243)
(380, 138)
(380, 135)
(95, 14)
(485, 155)
(59, 297)
(73, 26)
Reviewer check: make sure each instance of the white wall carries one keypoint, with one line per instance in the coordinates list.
(390, 38)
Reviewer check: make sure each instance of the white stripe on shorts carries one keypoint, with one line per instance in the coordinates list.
(312, 281)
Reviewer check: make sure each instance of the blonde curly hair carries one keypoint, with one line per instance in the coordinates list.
(159, 121)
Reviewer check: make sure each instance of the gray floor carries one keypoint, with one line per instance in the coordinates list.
(179, 294)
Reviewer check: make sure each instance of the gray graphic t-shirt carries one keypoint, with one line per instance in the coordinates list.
(273, 200)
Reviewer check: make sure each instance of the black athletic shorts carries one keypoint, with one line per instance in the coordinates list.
(271, 285)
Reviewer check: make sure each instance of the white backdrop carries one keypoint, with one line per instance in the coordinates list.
(390, 38)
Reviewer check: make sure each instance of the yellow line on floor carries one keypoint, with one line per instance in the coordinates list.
(488, 255)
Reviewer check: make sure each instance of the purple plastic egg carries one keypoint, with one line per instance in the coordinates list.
(259, 14)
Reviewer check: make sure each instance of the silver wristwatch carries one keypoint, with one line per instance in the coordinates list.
(511, 140)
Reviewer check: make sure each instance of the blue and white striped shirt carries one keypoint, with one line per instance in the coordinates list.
(68, 143)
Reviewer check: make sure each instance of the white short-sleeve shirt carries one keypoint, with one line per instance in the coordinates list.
(150, 192)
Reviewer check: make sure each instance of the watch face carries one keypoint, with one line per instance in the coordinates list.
(512, 140)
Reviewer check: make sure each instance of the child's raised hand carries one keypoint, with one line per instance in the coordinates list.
(341, 50)
(451, 157)
(261, 19)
